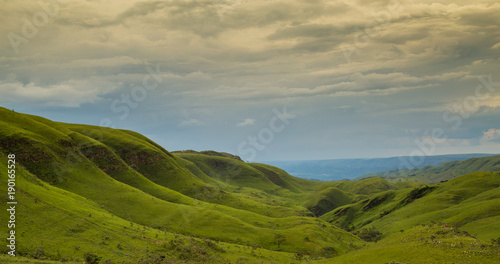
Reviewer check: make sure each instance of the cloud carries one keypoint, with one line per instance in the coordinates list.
(312, 31)
(71, 93)
(198, 75)
(238, 57)
(492, 102)
(246, 122)
(191, 123)
(354, 84)
(101, 62)
(492, 135)
(481, 16)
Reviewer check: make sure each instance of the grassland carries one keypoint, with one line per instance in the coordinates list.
(469, 201)
(87, 192)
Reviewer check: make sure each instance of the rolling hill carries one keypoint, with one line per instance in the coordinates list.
(470, 202)
(115, 180)
(102, 195)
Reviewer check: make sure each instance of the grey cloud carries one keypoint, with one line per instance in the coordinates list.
(101, 62)
(141, 9)
(316, 31)
(486, 18)
(202, 17)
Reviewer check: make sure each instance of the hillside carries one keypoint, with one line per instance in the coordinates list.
(318, 197)
(87, 193)
(423, 244)
(339, 169)
(469, 202)
(443, 172)
(118, 180)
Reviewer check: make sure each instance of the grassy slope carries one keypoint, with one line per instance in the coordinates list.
(335, 194)
(108, 172)
(162, 168)
(470, 201)
(285, 190)
(56, 224)
(265, 184)
(82, 224)
(423, 245)
(108, 187)
(443, 172)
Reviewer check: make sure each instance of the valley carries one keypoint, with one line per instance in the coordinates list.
(100, 195)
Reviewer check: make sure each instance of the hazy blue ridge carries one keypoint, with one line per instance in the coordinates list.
(339, 169)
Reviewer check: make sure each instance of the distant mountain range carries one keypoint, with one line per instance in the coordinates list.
(339, 169)
(441, 173)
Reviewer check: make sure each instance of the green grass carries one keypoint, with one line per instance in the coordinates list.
(424, 244)
(467, 201)
(117, 194)
(129, 179)
(328, 199)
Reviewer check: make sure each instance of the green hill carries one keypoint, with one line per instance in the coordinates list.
(87, 193)
(443, 172)
(469, 201)
(423, 244)
(96, 179)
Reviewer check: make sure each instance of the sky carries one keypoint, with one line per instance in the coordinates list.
(263, 79)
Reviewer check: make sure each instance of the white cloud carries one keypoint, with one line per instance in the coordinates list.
(246, 122)
(71, 93)
(198, 75)
(492, 135)
(192, 123)
(493, 102)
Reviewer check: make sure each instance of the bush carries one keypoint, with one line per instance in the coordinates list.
(328, 252)
(39, 253)
(299, 256)
(369, 235)
(91, 258)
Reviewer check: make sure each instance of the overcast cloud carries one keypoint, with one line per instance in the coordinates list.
(361, 78)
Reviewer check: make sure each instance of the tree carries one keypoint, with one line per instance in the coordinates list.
(280, 238)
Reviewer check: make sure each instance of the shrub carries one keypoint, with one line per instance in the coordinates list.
(328, 252)
(369, 235)
(280, 239)
(91, 258)
(39, 253)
